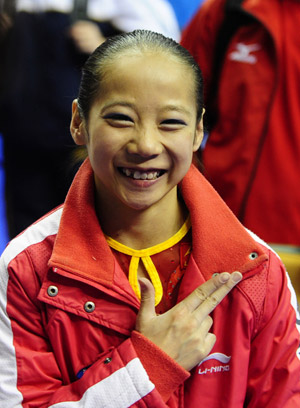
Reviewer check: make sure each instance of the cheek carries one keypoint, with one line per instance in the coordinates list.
(101, 147)
(184, 150)
(99, 157)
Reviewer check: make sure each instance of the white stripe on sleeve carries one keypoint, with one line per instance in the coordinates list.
(120, 390)
(10, 396)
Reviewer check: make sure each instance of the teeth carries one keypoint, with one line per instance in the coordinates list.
(138, 175)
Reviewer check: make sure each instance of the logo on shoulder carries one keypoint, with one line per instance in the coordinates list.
(243, 53)
(222, 358)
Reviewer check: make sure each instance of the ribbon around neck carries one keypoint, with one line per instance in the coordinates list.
(145, 256)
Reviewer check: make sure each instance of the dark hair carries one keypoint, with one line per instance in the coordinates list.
(136, 41)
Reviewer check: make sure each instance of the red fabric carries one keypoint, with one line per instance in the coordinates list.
(55, 337)
(151, 359)
(170, 265)
(252, 156)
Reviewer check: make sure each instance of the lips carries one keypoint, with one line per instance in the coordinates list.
(141, 175)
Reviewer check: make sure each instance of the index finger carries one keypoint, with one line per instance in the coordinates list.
(210, 303)
(212, 291)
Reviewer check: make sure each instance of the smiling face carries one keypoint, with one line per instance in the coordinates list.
(142, 131)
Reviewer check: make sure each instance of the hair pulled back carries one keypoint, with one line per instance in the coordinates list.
(137, 41)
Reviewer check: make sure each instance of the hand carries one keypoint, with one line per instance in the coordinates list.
(5, 24)
(86, 36)
(183, 331)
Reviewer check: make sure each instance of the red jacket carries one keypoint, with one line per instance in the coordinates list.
(252, 156)
(68, 316)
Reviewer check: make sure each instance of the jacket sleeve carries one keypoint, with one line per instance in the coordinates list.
(274, 369)
(30, 375)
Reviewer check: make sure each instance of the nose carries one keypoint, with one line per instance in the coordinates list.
(145, 143)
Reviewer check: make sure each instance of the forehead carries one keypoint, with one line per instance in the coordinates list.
(157, 69)
(154, 58)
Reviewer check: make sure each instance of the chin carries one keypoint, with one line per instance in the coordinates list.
(138, 205)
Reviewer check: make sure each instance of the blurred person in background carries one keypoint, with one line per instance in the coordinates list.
(249, 55)
(44, 44)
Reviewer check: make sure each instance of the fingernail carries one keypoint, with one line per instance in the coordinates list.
(236, 276)
(224, 277)
(143, 287)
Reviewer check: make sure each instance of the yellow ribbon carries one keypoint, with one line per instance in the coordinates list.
(145, 256)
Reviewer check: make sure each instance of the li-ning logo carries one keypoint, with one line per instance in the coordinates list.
(243, 53)
(215, 369)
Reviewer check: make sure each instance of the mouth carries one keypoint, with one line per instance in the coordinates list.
(141, 175)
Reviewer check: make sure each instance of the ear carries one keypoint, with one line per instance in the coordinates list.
(198, 134)
(77, 126)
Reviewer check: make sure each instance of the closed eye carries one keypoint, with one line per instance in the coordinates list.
(118, 119)
(172, 124)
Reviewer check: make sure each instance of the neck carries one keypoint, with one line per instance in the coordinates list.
(140, 229)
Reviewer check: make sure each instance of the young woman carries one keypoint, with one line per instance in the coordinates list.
(109, 300)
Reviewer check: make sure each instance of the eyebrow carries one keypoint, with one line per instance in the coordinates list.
(171, 107)
(176, 108)
(117, 103)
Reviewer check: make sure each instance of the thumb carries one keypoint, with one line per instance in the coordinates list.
(147, 307)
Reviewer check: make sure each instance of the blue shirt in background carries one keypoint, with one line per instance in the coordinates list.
(184, 10)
